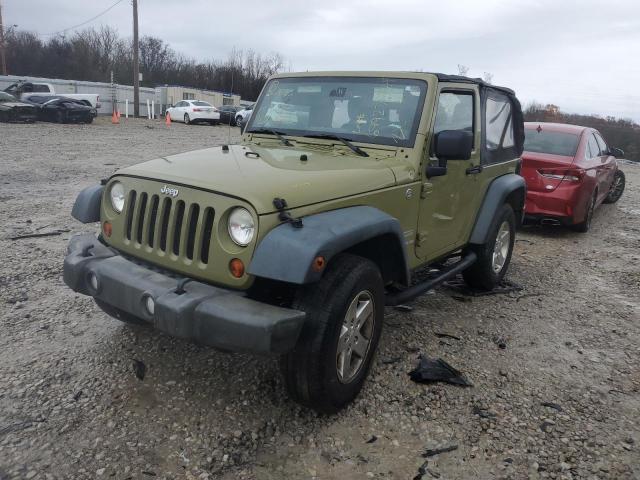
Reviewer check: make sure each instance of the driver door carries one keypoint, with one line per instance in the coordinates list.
(446, 201)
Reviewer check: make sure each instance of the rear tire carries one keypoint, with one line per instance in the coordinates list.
(345, 311)
(60, 117)
(617, 187)
(494, 256)
(119, 314)
(584, 226)
(187, 120)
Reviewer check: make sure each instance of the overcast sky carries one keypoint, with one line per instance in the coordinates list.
(581, 55)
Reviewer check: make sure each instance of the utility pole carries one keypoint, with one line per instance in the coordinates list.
(2, 54)
(136, 64)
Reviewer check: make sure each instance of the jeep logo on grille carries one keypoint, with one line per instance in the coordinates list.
(172, 192)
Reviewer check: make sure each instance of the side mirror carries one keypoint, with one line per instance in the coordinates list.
(616, 152)
(453, 145)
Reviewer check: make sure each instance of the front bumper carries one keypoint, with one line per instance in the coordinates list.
(203, 313)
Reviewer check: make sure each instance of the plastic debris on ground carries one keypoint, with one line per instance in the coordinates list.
(431, 370)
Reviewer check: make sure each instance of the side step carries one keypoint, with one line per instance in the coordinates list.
(414, 291)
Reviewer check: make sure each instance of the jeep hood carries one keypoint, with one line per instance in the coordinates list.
(258, 174)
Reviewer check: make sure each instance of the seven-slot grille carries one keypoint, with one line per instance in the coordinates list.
(169, 226)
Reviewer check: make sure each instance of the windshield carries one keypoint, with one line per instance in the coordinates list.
(372, 110)
(555, 143)
(200, 103)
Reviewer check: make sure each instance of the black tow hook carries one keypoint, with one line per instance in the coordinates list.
(180, 286)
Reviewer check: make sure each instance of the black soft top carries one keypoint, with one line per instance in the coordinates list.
(443, 77)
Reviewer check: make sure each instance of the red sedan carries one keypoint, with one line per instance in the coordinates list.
(569, 171)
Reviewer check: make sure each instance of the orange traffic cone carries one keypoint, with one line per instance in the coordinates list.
(118, 113)
(114, 118)
(167, 119)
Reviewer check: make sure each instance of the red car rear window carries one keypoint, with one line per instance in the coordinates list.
(555, 143)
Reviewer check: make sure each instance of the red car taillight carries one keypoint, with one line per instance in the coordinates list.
(563, 174)
(197, 110)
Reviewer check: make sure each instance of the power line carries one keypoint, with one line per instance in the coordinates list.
(83, 23)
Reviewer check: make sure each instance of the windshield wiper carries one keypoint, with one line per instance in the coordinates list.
(329, 136)
(272, 132)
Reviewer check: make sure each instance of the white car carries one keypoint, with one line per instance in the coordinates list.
(243, 116)
(193, 111)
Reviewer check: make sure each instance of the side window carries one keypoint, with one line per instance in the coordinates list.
(455, 112)
(601, 143)
(499, 126)
(593, 146)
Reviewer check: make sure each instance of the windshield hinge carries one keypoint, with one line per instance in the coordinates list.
(285, 217)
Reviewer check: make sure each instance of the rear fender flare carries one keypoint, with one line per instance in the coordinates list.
(509, 188)
(287, 253)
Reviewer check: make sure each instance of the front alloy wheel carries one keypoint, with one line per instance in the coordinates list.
(355, 337)
(345, 310)
(617, 187)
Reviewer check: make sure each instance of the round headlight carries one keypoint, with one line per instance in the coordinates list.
(116, 194)
(241, 226)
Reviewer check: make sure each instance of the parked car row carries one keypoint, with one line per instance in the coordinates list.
(49, 108)
(199, 111)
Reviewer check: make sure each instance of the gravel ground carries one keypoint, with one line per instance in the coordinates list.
(554, 366)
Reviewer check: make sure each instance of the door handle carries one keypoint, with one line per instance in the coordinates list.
(474, 170)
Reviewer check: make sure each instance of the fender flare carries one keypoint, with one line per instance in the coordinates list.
(497, 194)
(287, 253)
(86, 208)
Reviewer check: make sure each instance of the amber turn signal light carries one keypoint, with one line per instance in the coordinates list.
(319, 263)
(107, 229)
(236, 267)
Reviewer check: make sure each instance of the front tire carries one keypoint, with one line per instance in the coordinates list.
(617, 187)
(494, 256)
(60, 117)
(345, 311)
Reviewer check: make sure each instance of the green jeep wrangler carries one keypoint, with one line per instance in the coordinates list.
(292, 242)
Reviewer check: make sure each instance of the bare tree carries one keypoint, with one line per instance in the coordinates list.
(463, 70)
(92, 54)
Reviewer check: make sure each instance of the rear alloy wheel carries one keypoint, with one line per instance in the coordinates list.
(187, 120)
(495, 255)
(345, 310)
(60, 117)
(584, 226)
(617, 187)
